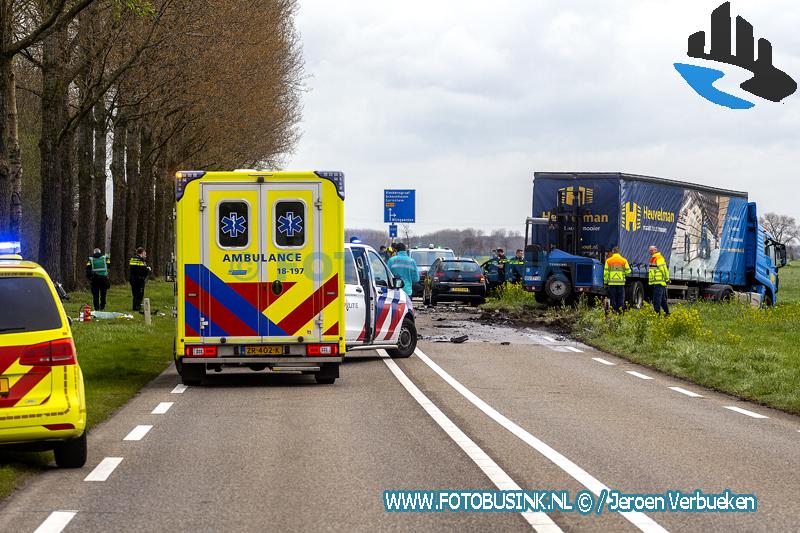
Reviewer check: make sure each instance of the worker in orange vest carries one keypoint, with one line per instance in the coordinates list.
(614, 274)
(658, 279)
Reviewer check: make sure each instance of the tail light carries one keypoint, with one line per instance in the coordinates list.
(53, 353)
(201, 351)
(322, 349)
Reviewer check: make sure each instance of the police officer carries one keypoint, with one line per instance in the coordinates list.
(97, 274)
(515, 265)
(137, 276)
(615, 272)
(501, 266)
(658, 278)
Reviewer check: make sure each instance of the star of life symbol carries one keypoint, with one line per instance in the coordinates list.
(233, 224)
(290, 224)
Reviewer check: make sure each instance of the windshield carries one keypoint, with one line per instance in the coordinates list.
(459, 266)
(29, 306)
(427, 257)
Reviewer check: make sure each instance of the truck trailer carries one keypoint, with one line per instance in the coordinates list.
(710, 238)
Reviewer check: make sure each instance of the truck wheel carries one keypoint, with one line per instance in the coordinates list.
(407, 342)
(558, 288)
(327, 374)
(192, 374)
(767, 300)
(71, 453)
(634, 295)
(540, 297)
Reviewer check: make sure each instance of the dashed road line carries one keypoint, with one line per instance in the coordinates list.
(548, 339)
(744, 411)
(180, 388)
(138, 432)
(573, 349)
(686, 392)
(637, 374)
(161, 408)
(538, 520)
(603, 361)
(102, 471)
(56, 522)
(638, 519)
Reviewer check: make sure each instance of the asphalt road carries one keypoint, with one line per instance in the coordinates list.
(256, 452)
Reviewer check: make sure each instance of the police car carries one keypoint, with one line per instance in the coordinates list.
(378, 312)
(42, 400)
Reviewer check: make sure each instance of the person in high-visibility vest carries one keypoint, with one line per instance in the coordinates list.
(614, 274)
(137, 276)
(658, 278)
(97, 274)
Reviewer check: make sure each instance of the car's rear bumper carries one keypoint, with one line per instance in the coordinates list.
(310, 361)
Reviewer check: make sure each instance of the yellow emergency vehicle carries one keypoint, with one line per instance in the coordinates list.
(42, 399)
(259, 268)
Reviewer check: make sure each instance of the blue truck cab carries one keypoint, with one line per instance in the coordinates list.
(711, 238)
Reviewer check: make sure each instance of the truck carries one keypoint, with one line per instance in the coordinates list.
(710, 238)
(259, 272)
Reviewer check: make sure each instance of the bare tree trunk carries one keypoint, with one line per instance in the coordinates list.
(162, 211)
(100, 179)
(52, 119)
(5, 82)
(86, 210)
(15, 159)
(146, 179)
(119, 253)
(132, 178)
(68, 201)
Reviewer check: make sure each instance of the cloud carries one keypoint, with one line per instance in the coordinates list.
(464, 101)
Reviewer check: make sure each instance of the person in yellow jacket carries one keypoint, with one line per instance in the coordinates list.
(657, 278)
(614, 274)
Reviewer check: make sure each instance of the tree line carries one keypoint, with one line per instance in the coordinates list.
(464, 242)
(109, 98)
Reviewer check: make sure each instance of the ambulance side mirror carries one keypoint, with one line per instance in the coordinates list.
(398, 283)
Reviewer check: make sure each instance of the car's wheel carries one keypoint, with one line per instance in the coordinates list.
(327, 374)
(407, 342)
(634, 295)
(558, 288)
(71, 453)
(192, 374)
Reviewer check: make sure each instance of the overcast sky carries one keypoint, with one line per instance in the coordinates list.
(464, 100)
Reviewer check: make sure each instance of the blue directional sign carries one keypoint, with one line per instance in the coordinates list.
(392, 231)
(398, 205)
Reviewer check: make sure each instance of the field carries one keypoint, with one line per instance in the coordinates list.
(750, 353)
(118, 357)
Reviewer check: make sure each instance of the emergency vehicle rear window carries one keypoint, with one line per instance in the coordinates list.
(233, 228)
(290, 224)
(28, 306)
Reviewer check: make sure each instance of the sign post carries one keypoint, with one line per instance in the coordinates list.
(392, 231)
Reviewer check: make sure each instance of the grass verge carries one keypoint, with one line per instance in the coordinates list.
(118, 357)
(750, 353)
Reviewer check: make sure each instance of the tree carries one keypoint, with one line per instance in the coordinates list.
(783, 228)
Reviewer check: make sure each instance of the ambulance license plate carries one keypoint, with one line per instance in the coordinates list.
(459, 289)
(4, 389)
(264, 350)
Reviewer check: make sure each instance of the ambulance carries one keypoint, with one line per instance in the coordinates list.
(260, 272)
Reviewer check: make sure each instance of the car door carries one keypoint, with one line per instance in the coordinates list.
(356, 302)
(389, 304)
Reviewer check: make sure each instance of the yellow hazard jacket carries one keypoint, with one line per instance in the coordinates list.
(616, 270)
(657, 271)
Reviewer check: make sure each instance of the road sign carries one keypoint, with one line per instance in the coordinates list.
(392, 231)
(398, 205)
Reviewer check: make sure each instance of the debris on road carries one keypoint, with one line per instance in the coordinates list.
(459, 339)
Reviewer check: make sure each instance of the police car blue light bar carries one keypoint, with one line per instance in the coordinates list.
(10, 247)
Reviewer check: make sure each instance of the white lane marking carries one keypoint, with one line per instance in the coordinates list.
(138, 433)
(744, 411)
(540, 521)
(104, 469)
(56, 522)
(603, 361)
(640, 520)
(637, 374)
(686, 392)
(573, 349)
(548, 339)
(161, 408)
(179, 388)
